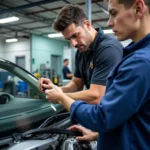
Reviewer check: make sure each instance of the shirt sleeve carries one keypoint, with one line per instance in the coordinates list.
(125, 96)
(66, 70)
(106, 59)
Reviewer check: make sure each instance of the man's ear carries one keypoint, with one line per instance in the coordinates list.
(139, 8)
(87, 24)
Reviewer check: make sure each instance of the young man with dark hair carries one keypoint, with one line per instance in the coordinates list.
(66, 72)
(122, 118)
(96, 55)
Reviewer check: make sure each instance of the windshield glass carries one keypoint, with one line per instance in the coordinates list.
(22, 105)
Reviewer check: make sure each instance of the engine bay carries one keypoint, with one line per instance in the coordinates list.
(52, 134)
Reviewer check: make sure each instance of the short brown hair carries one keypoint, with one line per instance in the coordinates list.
(129, 3)
(126, 3)
(66, 60)
(68, 15)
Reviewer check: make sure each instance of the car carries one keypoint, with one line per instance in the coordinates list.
(27, 120)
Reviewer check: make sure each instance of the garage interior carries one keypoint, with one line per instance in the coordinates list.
(33, 49)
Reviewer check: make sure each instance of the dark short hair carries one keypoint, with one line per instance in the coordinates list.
(66, 60)
(129, 3)
(68, 15)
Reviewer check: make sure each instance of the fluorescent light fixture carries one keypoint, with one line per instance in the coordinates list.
(55, 35)
(11, 40)
(109, 31)
(9, 19)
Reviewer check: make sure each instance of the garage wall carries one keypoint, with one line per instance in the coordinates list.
(20, 48)
(2, 49)
(42, 48)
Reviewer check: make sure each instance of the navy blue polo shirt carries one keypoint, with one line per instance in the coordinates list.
(93, 66)
(123, 116)
(66, 71)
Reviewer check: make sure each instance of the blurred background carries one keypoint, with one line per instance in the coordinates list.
(26, 30)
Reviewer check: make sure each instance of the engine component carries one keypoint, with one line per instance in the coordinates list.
(73, 144)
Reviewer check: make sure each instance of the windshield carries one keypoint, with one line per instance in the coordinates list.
(22, 105)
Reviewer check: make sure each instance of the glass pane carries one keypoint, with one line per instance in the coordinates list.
(15, 86)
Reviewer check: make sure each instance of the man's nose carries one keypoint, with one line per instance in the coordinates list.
(110, 23)
(73, 42)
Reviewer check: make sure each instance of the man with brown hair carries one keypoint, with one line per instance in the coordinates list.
(122, 118)
(96, 55)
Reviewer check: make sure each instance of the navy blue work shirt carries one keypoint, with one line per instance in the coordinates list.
(123, 116)
(66, 71)
(93, 66)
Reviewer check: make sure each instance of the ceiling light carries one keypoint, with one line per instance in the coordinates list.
(109, 31)
(55, 35)
(11, 40)
(9, 19)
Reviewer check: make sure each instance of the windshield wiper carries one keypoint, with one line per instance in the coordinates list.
(53, 118)
(42, 129)
(50, 130)
(43, 132)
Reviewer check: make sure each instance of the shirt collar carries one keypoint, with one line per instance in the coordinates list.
(96, 40)
(138, 45)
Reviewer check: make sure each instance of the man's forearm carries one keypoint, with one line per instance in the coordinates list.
(70, 87)
(86, 95)
(66, 101)
(69, 75)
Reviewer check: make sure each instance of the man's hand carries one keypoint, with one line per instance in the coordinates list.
(88, 135)
(44, 84)
(54, 95)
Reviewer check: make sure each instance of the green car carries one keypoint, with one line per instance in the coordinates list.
(27, 120)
